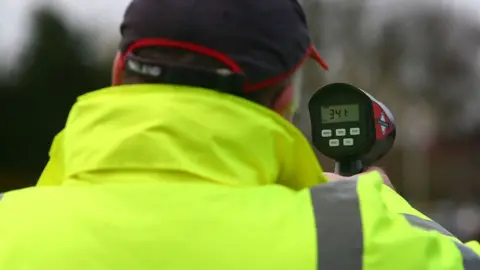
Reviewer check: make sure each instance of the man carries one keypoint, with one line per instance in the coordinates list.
(189, 162)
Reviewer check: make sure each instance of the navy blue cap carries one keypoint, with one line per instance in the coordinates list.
(267, 40)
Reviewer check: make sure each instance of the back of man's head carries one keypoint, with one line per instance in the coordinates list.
(264, 41)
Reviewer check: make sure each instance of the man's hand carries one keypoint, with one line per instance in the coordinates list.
(337, 177)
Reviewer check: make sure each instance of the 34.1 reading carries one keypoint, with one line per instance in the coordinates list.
(340, 113)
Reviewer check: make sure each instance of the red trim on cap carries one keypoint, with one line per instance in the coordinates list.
(316, 56)
(311, 52)
(184, 45)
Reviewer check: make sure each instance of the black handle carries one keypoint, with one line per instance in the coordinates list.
(349, 168)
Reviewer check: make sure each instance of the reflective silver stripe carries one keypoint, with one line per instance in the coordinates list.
(471, 260)
(427, 225)
(339, 226)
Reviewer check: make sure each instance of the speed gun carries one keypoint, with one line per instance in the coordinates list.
(350, 126)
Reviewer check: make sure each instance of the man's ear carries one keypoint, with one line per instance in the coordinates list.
(284, 103)
(117, 71)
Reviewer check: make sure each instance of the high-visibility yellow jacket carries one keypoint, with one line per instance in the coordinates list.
(162, 177)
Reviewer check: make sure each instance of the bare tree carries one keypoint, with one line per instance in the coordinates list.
(431, 53)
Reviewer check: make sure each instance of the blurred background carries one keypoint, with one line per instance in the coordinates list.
(421, 58)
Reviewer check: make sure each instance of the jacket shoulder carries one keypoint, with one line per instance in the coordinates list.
(356, 229)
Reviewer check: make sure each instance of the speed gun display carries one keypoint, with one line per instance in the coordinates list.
(350, 127)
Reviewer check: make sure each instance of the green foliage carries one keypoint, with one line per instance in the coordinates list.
(57, 66)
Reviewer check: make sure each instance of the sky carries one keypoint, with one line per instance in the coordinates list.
(93, 15)
(104, 16)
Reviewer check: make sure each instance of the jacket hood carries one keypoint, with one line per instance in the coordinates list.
(122, 133)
